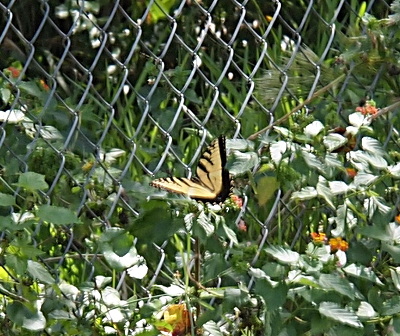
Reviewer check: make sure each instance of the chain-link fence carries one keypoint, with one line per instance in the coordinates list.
(98, 97)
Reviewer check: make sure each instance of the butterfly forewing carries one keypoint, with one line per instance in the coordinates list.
(212, 182)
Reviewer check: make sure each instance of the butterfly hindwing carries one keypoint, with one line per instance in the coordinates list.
(212, 183)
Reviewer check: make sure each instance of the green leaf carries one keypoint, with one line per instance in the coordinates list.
(156, 225)
(335, 312)
(56, 215)
(274, 296)
(5, 95)
(6, 200)
(32, 89)
(375, 231)
(242, 162)
(265, 188)
(283, 255)
(39, 272)
(32, 181)
(6, 222)
(338, 284)
(391, 306)
(393, 250)
(118, 261)
(26, 317)
(362, 273)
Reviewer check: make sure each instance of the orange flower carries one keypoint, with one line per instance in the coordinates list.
(397, 219)
(177, 316)
(338, 244)
(318, 237)
(237, 200)
(14, 72)
(351, 172)
(368, 108)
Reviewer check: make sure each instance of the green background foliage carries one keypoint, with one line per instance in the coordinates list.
(98, 97)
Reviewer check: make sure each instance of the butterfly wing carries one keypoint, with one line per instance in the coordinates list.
(212, 183)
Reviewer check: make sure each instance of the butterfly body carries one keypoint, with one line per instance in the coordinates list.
(212, 183)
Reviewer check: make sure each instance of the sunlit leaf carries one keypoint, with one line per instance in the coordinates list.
(205, 223)
(212, 328)
(338, 187)
(364, 179)
(345, 218)
(372, 145)
(333, 311)
(314, 128)
(242, 162)
(283, 255)
(120, 261)
(366, 311)
(305, 193)
(373, 203)
(283, 131)
(394, 170)
(357, 119)
(334, 141)
(362, 272)
(311, 160)
(324, 192)
(173, 290)
(395, 275)
(376, 160)
(230, 233)
(277, 150)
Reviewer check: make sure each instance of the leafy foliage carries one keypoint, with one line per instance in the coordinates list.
(308, 245)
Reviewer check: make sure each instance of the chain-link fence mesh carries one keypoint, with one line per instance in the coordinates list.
(98, 97)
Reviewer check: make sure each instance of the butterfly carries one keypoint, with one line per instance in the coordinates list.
(212, 183)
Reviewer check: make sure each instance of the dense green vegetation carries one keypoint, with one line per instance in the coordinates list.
(97, 97)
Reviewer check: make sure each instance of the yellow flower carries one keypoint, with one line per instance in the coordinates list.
(177, 316)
